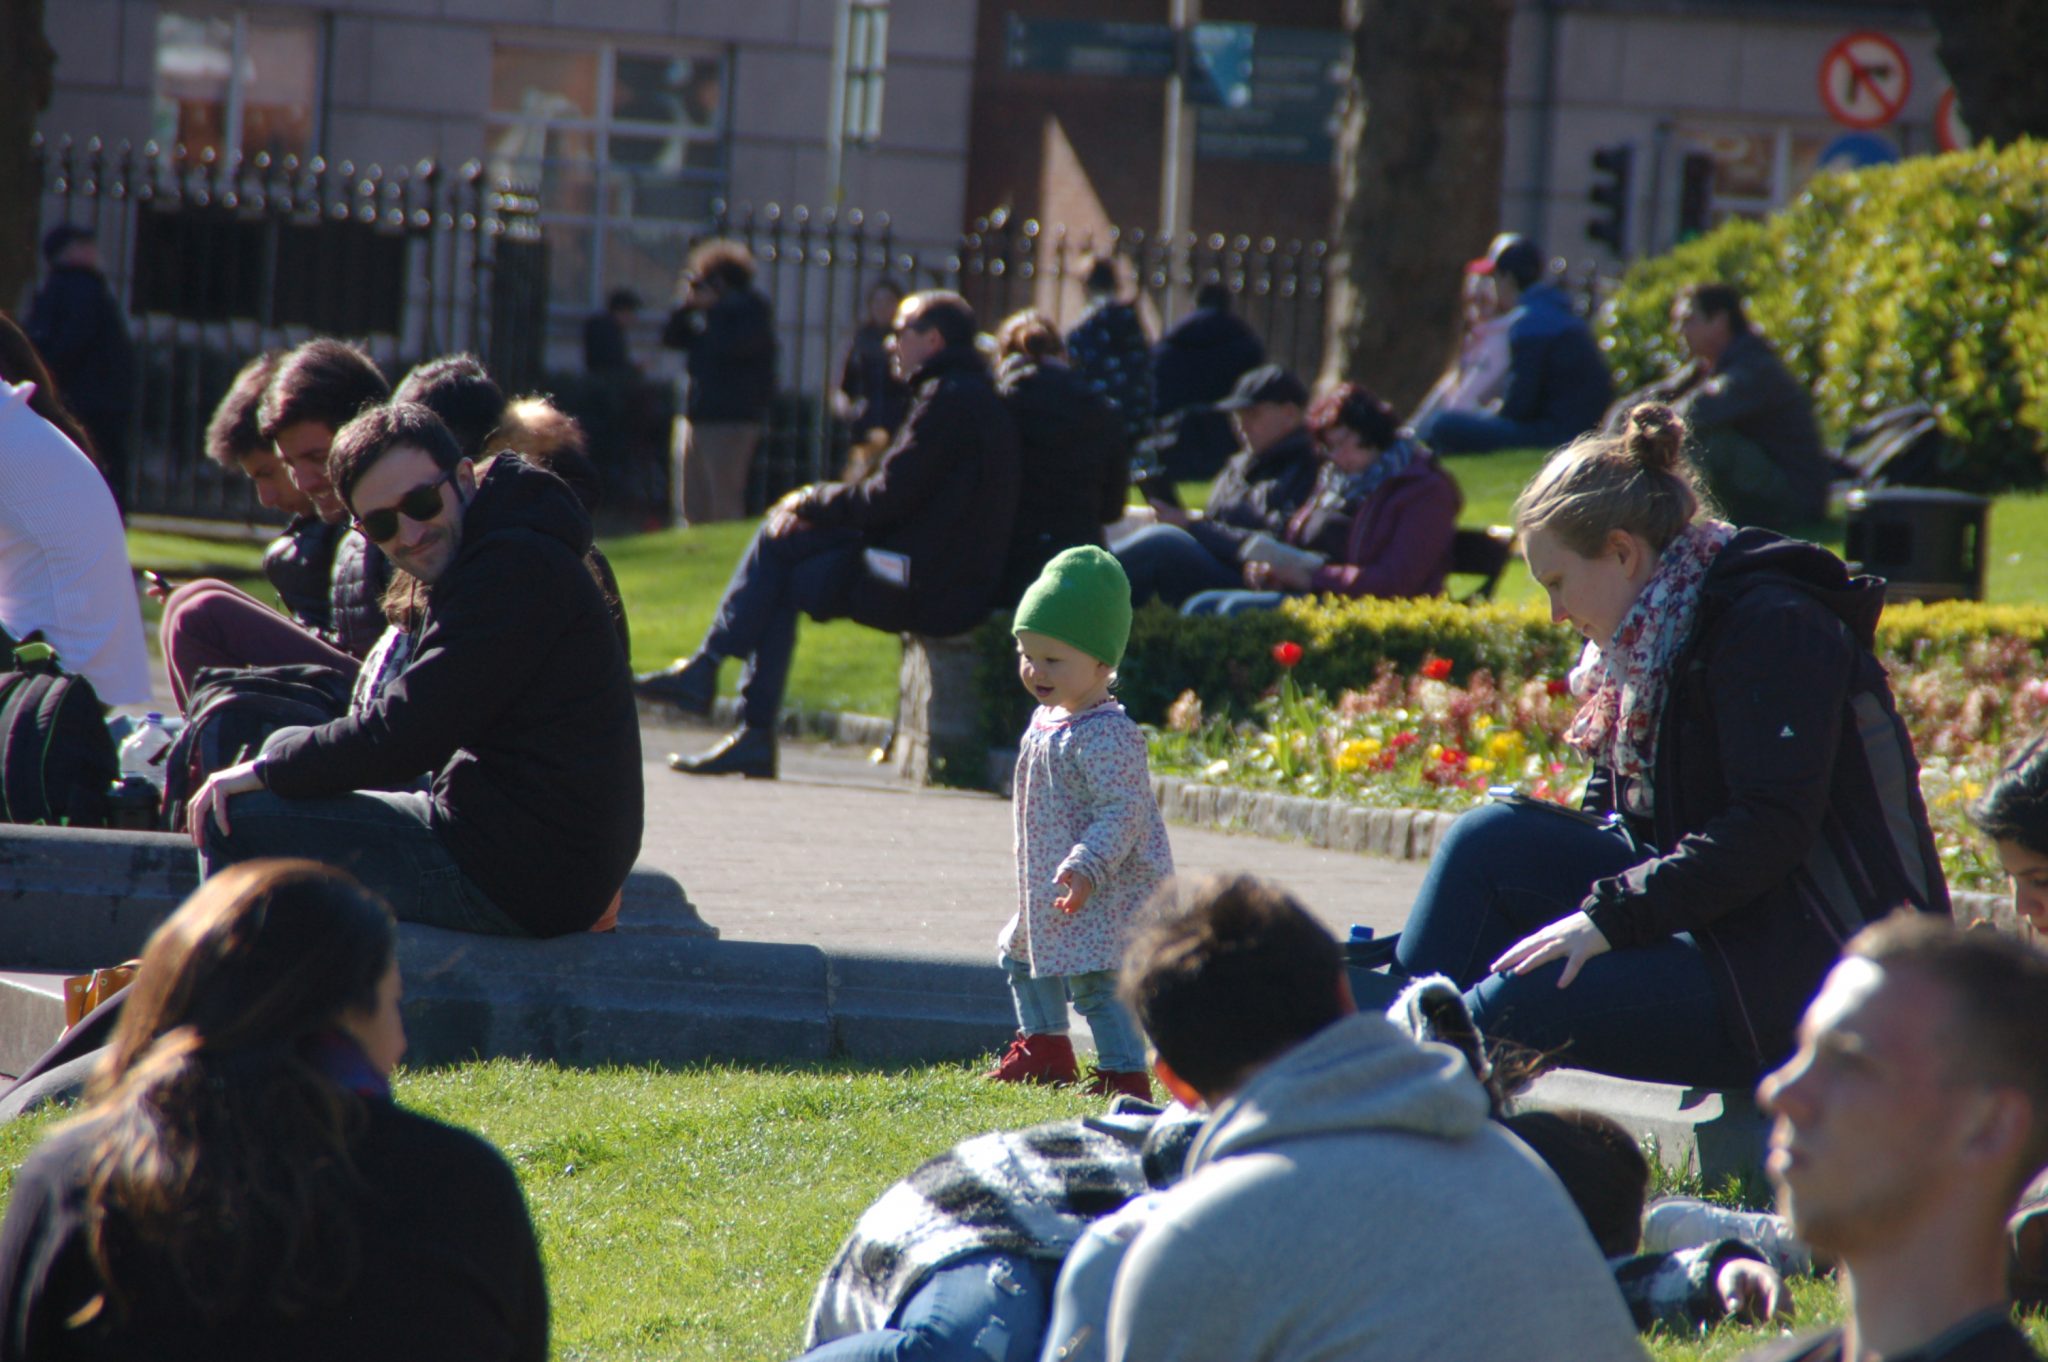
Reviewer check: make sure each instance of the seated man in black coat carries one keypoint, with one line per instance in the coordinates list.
(518, 699)
(917, 546)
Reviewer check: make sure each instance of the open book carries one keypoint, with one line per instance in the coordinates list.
(1264, 548)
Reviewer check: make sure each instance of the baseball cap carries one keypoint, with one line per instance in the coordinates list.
(1516, 256)
(1267, 383)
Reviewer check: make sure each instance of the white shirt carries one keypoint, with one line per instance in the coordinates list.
(63, 559)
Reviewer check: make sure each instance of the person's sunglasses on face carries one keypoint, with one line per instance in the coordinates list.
(420, 505)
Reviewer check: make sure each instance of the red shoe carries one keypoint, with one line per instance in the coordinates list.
(1120, 1082)
(1037, 1059)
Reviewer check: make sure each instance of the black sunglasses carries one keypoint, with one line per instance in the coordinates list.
(419, 505)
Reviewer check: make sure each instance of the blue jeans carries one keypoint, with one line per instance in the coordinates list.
(1168, 563)
(380, 837)
(1228, 603)
(990, 1307)
(1645, 1012)
(809, 572)
(1478, 432)
(1042, 1011)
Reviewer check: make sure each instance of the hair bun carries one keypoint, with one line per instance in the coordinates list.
(1654, 436)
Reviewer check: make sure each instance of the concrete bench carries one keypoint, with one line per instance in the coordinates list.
(940, 735)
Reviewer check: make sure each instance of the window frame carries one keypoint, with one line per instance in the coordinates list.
(235, 108)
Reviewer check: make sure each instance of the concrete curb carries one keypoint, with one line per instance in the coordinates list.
(1334, 824)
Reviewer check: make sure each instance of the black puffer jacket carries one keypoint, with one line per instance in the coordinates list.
(519, 697)
(945, 496)
(300, 567)
(1109, 350)
(355, 614)
(1075, 466)
(1787, 809)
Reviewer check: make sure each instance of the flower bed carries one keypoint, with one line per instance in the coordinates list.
(1425, 740)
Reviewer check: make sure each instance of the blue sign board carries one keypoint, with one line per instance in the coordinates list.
(1285, 107)
(1855, 150)
(1085, 47)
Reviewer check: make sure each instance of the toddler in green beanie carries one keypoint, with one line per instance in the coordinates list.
(1091, 846)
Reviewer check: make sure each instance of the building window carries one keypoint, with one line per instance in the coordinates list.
(629, 150)
(236, 81)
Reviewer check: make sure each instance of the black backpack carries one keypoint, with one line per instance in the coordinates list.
(231, 710)
(57, 758)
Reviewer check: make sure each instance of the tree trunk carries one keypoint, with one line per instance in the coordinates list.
(1418, 185)
(26, 61)
(1994, 51)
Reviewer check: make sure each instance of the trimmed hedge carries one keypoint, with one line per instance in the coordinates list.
(1229, 663)
(1923, 281)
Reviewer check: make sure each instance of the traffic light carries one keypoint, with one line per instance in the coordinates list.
(1612, 168)
(1695, 194)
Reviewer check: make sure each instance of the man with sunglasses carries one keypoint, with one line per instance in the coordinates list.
(917, 546)
(517, 699)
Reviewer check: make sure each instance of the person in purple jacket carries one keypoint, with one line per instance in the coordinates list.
(1382, 516)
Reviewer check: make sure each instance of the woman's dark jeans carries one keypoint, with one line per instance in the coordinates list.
(1645, 1012)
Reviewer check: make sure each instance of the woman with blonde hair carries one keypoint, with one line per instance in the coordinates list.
(1754, 798)
(239, 1183)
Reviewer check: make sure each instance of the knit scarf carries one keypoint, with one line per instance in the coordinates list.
(1623, 686)
(1392, 462)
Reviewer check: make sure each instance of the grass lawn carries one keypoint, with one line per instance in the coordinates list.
(688, 1214)
(672, 579)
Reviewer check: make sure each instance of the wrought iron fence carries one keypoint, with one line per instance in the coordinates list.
(215, 260)
(817, 269)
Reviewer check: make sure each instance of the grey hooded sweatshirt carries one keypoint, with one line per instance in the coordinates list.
(1353, 1201)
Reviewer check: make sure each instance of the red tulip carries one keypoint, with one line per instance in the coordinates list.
(1287, 654)
(1437, 669)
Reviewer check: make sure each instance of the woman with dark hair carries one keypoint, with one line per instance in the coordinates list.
(239, 1182)
(1074, 463)
(2014, 814)
(1382, 517)
(1754, 800)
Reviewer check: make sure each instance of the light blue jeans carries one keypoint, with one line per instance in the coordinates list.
(990, 1307)
(1042, 1011)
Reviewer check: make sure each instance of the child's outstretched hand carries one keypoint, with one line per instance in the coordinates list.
(1076, 890)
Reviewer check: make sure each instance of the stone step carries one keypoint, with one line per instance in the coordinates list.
(72, 898)
(31, 1016)
(1717, 1134)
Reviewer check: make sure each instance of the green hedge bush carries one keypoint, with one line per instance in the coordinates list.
(1923, 281)
(1229, 663)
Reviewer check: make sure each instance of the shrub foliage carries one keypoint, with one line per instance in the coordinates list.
(1924, 281)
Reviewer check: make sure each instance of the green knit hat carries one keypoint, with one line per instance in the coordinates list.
(1083, 599)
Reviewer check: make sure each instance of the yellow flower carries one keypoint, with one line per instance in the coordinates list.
(1506, 746)
(1482, 723)
(1357, 755)
(1477, 766)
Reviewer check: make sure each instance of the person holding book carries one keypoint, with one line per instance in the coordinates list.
(1379, 524)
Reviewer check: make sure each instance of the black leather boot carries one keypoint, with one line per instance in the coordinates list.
(748, 752)
(690, 685)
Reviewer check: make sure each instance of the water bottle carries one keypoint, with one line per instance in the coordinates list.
(142, 751)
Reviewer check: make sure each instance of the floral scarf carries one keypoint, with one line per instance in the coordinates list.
(1622, 687)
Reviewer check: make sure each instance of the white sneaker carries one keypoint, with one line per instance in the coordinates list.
(1681, 1222)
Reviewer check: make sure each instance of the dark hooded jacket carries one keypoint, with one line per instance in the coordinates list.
(944, 496)
(299, 565)
(1786, 811)
(1201, 358)
(1074, 466)
(518, 696)
(731, 356)
(1258, 492)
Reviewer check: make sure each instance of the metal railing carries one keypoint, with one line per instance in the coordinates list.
(215, 260)
(817, 269)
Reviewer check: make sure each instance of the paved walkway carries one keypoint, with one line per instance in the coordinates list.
(839, 853)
